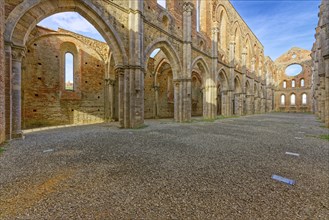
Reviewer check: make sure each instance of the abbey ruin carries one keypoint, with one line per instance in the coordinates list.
(208, 63)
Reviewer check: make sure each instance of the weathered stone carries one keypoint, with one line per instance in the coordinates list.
(302, 81)
(210, 66)
(320, 56)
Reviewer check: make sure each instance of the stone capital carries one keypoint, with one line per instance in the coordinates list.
(18, 53)
(120, 70)
(188, 7)
(109, 82)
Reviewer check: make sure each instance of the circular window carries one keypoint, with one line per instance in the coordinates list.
(294, 56)
(294, 70)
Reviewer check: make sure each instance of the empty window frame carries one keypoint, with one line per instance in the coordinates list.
(163, 3)
(293, 83)
(302, 83)
(283, 100)
(69, 71)
(292, 99)
(304, 99)
(284, 84)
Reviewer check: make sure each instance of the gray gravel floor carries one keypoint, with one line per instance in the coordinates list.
(199, 170)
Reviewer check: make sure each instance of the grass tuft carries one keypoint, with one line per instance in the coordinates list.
(324, 137)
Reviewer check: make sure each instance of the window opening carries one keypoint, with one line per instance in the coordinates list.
(69, 71)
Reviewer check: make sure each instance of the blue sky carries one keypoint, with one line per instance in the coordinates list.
(279, 24)
(71, 21)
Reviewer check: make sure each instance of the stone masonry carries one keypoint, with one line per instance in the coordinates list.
(2, 73)
(320, 55)
(211, 65)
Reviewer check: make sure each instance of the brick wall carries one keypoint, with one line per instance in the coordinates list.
(301, 57)
(2, 74)
(45, 102)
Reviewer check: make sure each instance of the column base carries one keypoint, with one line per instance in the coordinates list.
(17, 135)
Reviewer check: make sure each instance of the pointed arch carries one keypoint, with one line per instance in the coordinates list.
(249, 51)
(237, 40)
(237, 85)
(248, 88)
(222, 79)
(223, 20)
(168, 50)
(203, 66)
(255, 90)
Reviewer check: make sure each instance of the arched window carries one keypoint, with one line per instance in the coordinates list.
(293, 83)
(163, 3)
(284, 85)
(283, 100)
(302, 83)
(293, 99)
(198, 15)
(304, 99)
(69, 71)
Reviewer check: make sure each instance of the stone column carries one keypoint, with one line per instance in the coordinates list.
(8, 91)
(225, 104)
(134, 73)
(212, 105)
(323, 98)
(244, 80)
(109, 100)
(2, 74)
(109, 94)
(121, 79)
(183, 88)
(325, 45)
(156, 103)
(17, 55)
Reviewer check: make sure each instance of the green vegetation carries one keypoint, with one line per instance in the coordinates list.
(2, 147)
(325, 137)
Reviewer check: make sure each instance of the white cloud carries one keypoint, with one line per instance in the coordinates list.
(71, 21)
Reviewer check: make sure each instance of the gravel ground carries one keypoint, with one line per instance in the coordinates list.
(199, 170)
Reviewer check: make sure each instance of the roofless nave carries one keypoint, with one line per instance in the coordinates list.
(210, 63)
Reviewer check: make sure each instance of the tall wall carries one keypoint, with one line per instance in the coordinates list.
(303, 58)
(225, 54)
(45, 102)
(320, 55)
(2, 72)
